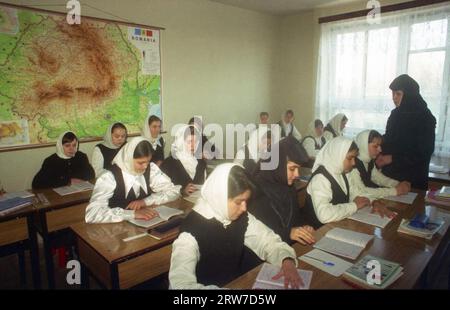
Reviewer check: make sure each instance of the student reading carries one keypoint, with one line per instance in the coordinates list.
(103, 154)
(185, 166)
(276, 202)
(410, 132)
(152, 131)
(208, 251)
(331, 195)
(131, 184)
(335, 127)
(66, 166)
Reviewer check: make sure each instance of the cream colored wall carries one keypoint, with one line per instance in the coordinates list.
(217, 60)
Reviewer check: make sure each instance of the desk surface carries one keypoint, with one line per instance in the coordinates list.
(412, 253)
(107, 239)
(57, 201)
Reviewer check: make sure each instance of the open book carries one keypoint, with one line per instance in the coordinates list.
(264, 279)
(165, 213)
(406, 198)
(74, 188)
(366, 216)
(344, 242)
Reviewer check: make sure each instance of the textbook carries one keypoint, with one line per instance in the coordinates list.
(431, 198)
(22, 194)
(165, 213)
(427, 230)
(357, 274)
(14, 204)
(406, 198)
(264, 279)
(343, 242)
(74, 188)
(366, 216)
(169, 229)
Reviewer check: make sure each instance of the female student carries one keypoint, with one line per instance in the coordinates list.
(103, 154)
(214, 236)
(367, 175)
(410, 133)
(315, 140)
(152, 131)
(331, 196)
(132, 183)
(209, 149)
(335, 127)
(287, 126)
(182, 166)
(66, 166)
(276, 204)
(257, 146)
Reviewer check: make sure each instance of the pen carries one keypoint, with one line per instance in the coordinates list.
(320, 260)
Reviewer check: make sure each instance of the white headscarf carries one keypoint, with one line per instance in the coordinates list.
(335, 123)
(59, 146)
(107, 138)
(254, 142)
(146, 133)
(332, 155)
(312, 129)
(213, 202)
(362, 140)
(124, 158)
(182, 152)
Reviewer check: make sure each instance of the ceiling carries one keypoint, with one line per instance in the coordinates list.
(282, 7)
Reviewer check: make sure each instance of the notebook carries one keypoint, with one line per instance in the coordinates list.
(74, 188)
(326, 262)
(343, 242)
(165, 213)
(406, 198)
(357, 274)
(14, 204)
(431, 198)
(22, 194)
(366, 216)
(264, 279)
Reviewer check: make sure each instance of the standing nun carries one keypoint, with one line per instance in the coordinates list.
(410, 133)
(67, 166)
(104, 153)
(208, 252)
(132, 183)
(152, 131)
(335, 127)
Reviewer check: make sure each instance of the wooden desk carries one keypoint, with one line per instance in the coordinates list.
(417, 256)
(53, 222)
(117, 264)
(17, 233)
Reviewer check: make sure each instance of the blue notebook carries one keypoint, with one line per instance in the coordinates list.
(13, 204)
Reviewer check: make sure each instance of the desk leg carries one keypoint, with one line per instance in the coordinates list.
(115, 285)
(34, 253)
(84, 277)
(47, 252)
(22, 272)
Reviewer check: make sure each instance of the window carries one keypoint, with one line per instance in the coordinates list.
(358, 61)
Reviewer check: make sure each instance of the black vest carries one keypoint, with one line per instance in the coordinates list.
(158, 153)
(330, 129)
(366, 176)
(283, 133)
(108, 155)
(221, 249)
(249, 164)
(119, 198)
(316, 145)
(338, 196)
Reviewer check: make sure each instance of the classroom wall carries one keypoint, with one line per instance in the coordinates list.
(217, 60)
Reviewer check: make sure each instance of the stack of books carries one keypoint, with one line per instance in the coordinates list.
(426, 229)
(14, 204)
(361, 273)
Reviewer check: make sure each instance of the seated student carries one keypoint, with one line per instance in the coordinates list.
(367, 175)
(208, 252)
(251, 152)
(315, 140)
(335, 127)
(209, 150)
(263, 118)
(182, 166)
(66, 166)
(152, 131)
(103, 154)
(276, 203)
(287, 126)
(132, 183)
(331, 196)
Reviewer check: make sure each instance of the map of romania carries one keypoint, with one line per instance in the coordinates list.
(56, 77)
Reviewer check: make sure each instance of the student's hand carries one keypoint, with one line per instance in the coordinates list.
(145, 214)
(136, 205)
(361, 202)
(303, 235)
(403, 188)
(382, 210)
(383, 160)
(75, 181)
(290, 274)
(189, 189)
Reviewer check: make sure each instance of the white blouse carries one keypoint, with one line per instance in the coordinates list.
(374, 193)
(98, 210)
(310, 146)
(258, 237)
(97, 161)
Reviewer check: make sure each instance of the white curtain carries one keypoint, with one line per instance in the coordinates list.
(358, 61)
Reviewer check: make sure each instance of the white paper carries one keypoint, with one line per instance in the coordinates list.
(407, 198)
(364, 215)
(268, 271)
(74, 188)
(340, 265)
(165, 213)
